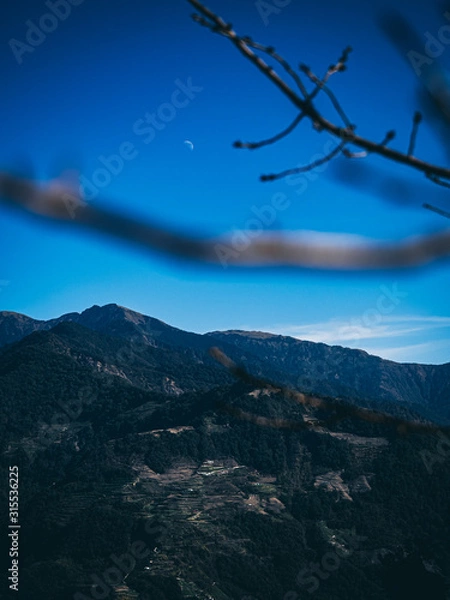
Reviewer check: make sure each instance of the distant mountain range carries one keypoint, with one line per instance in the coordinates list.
(150, 471)
(308, 366)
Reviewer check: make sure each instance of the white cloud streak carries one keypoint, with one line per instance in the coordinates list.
(403, 338)
(335, 331)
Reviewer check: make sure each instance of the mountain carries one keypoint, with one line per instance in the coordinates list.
(149, 470)
(337, 371)
(316, 368)
(113, 319)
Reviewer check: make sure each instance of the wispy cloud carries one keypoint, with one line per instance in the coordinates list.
(335, 331)
(403, 338)
(410, 352)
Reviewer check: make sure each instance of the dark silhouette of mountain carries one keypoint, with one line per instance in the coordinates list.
(112, 319)
(312, 367)
(148, 469)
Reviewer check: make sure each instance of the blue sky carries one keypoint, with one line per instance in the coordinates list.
(84, 94)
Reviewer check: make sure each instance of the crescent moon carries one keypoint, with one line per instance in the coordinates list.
(189, 144)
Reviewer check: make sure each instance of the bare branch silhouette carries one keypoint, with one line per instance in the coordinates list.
(434, 92)
(286, 66)
(439, 211)
(321, 84)
(305, 105)
(269, 248)
(438, 181)
(412, 141)
(272, 140)
(390, 135)
(305, 168)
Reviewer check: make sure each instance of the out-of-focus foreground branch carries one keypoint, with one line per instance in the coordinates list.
(269, 249)
(63, 204)
(340, 409)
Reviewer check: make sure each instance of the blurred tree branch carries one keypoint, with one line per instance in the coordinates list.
(341, 409)
(59, 202)
(270, 249)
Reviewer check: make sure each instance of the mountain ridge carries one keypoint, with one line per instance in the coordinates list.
(128, 431)
(311, 367)
(89, 316)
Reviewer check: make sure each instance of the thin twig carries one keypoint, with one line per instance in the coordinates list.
(437, 180)
(321, 84)
(437, 210)
(275, 138)
(318, 87)
(412, 141)
(286, 66)
(390, 135)
(305, 168)
(332, 69)
(221, 28)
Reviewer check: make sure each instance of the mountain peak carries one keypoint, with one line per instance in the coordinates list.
(9, 313)
(14, 326)
(113, 312)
